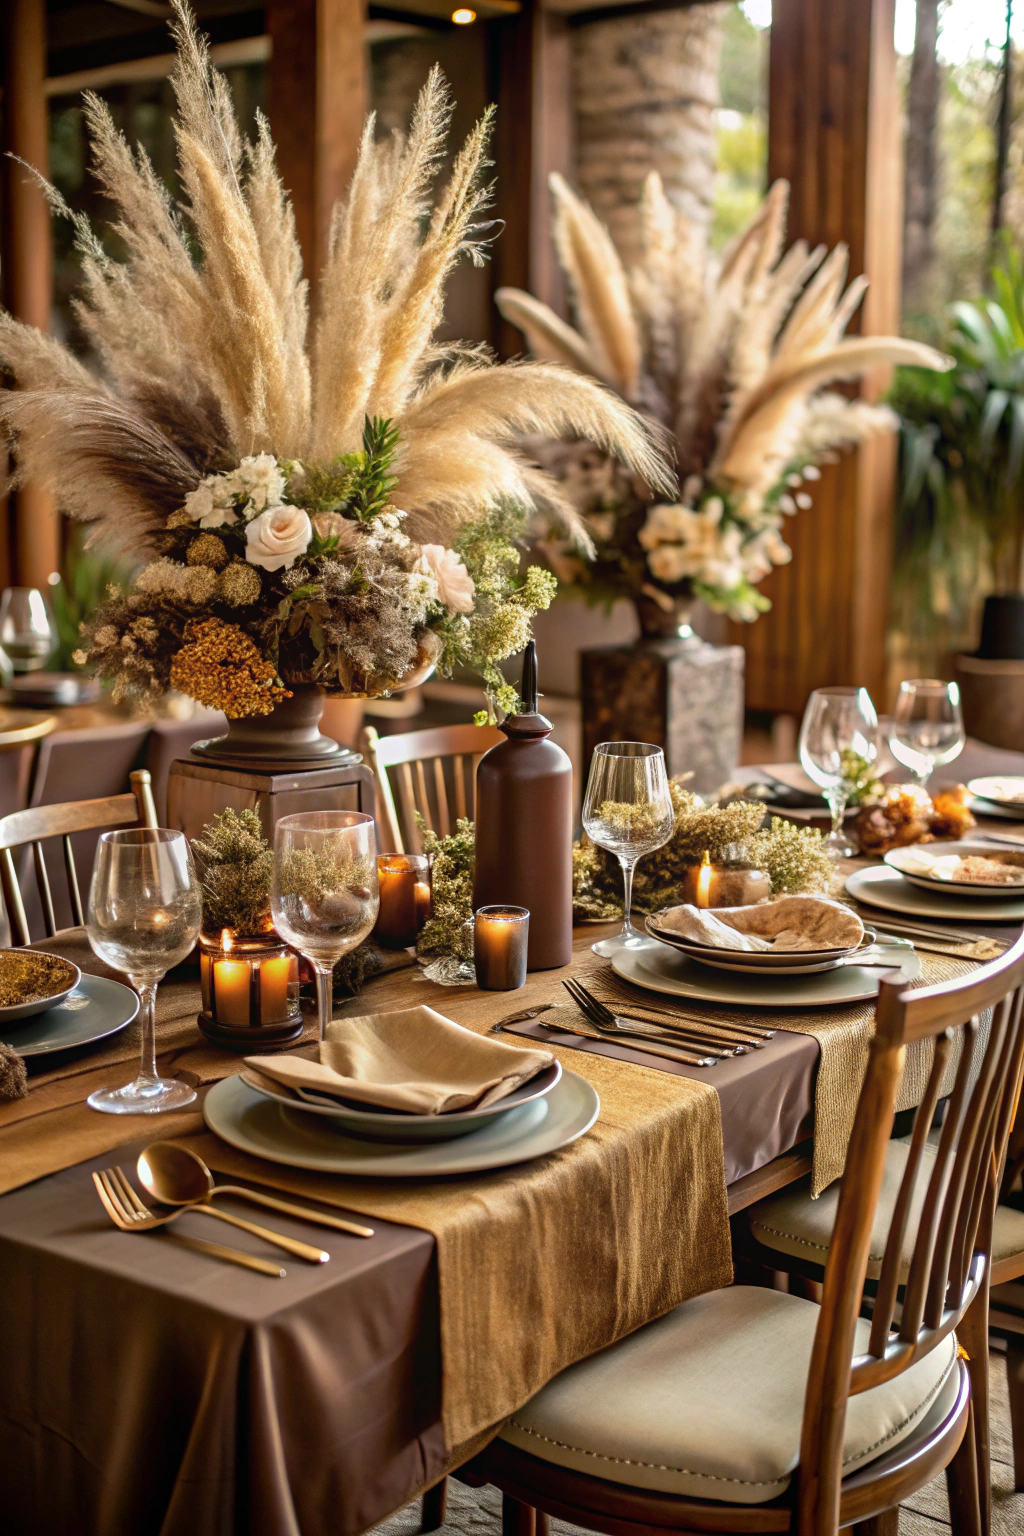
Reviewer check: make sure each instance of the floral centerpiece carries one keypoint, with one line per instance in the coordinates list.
(333, 508)
(731, 357)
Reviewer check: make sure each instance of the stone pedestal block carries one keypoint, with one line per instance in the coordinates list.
(681, 694)
(197, 790)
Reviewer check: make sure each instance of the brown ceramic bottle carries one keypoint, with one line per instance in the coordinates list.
(524, 828)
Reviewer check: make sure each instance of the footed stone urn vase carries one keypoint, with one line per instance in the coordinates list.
(670, 688)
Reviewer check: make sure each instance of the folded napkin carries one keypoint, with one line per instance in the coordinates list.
(789, 923)
(413, 1060)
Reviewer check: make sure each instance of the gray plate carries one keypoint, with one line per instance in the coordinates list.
(253, 1124)
(379, 1126)
(879, 886)
(95, 1009)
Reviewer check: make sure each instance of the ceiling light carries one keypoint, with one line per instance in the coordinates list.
(463, 16)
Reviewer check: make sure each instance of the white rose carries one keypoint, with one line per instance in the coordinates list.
(455, 586)
(262, 480)
(277, 537)
(210, 503)
(331, 525)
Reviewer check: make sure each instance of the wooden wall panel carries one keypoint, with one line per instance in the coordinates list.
(833, 132)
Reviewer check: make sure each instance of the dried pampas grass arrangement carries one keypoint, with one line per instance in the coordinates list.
(730, 356)
(334, 460)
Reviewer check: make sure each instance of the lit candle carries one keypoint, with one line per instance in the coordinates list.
(400, 878)
(704, 882)
(250, 987)
(499, 947)
(725, 885)
(422, 897)
(275, 973)
(231, 987)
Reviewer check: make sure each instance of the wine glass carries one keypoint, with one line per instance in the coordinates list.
(628, 811)
(837, 721)
(145, 912)
(324, 891)
(927, 726)
(27, 633)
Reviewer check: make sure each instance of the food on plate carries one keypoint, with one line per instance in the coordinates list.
(961, 869)
(28, 975)
(907, 814)
(790, 923)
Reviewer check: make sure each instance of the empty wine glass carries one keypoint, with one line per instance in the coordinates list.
(927, 726)
(324, 890)
(144, 917)
(628, 810)
(27, 631)
(837, 721)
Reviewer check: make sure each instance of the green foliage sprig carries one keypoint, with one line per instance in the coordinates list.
(236, 864)
(449, 932)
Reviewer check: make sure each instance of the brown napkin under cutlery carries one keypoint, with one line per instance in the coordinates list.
(413, 1060)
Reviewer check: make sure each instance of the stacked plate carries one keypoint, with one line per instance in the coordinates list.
(899, 884)
(998, 795)
(783, 962)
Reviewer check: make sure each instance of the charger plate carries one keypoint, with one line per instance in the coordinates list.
(378, 1125)
(246, 1120)
(97, 1007)
(660, 969)
(880, 886)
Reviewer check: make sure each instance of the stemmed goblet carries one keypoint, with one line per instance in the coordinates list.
(628, 811)
(145, 912)
(323, 895)
(27, 631)
(927, 726)
(837, 721)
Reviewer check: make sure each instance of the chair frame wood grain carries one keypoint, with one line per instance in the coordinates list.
(419, 759)
(40, 822)
(946, 1284)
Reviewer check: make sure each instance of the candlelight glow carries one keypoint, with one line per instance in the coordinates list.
(704, 881)
(225, 940)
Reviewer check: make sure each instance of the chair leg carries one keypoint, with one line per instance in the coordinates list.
(885, 1524)
(973, 1336)
(1015, 1380)
(517, 1519)
(962, 1485)
(432, 1507)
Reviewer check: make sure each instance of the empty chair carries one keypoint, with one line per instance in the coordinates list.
(35, 825)
(750, 1410)
(432, 773)
(170, 739)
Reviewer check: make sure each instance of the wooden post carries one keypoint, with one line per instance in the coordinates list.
(30, 541)
(833, 132)
(316, 102)
(533, 137)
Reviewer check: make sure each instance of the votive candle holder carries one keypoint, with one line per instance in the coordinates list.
(403, 880)
(250, 990)
(500, 937)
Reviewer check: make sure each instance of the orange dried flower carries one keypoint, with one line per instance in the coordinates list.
(221, 667)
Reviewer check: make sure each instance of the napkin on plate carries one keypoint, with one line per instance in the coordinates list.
(413, 1060)
(790, 923)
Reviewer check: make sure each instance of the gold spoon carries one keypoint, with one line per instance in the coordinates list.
(175, 1175)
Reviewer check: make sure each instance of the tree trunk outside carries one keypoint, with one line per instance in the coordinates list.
(920, 199)
(646, 87)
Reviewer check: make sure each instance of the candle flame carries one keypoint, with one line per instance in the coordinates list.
(704, 881)
(225, 940)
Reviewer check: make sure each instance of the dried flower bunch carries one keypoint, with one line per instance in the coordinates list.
(326, 508)
(794, 858)
(730, 356)
(236, 864)
(449, 930)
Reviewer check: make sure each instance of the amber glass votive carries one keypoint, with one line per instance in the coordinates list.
(250, 990)
(403, 880)
(499, 947)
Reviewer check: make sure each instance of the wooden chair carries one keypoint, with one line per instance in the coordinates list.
(40, 822)
(434, 772)
(750, 1410)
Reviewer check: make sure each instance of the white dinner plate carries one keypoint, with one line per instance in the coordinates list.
(880, 886)
(96, 1008)
(786, 962)
(970, 889)
(380, 1126)
(995, 789)
(991, 808)
(252, 1123)
(661, 969)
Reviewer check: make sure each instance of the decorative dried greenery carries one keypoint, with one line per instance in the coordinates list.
(236, 863)
(449, 932)
(315, 874)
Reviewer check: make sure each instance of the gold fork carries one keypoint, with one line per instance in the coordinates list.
(119, 1215)
(137, 1217)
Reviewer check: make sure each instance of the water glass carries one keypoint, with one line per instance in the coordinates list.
(627, 810)
(323, 895)
(837, 721)
(145, 912)
(27, 630)
(927, 726)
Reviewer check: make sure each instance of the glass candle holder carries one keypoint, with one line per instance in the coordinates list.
(250, 990)
(403, 880)
(732, 882)
(499, 947)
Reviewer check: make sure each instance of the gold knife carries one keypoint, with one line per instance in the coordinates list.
(229, 1255)
(646, 1045)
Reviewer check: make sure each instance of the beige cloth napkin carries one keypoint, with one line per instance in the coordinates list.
(414, 1060)
(789, 923)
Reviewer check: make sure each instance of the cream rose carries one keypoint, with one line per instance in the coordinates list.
(455, 586)
(277, 537)
(210, 503)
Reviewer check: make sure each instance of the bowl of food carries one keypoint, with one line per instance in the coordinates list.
(32, 980)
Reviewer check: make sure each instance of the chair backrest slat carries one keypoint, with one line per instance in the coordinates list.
(441, 791)
(406, 786)
(459, 771)
(40, 822)
(949, 1240)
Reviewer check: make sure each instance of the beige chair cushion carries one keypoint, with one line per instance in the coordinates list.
(794, 1224)
(707, 1401)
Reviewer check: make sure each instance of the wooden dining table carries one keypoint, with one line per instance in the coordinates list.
(148, 1389)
